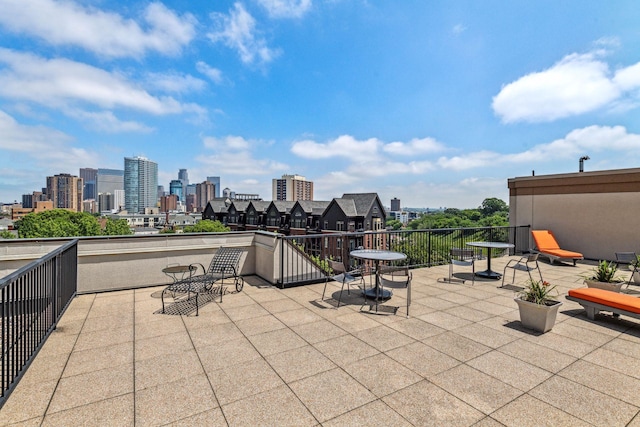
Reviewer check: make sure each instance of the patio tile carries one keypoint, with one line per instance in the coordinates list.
(204, 337)
(345, 349)
(561, 343)
(212, 417)
(237, 382)
(175, 401)
(331, 393)
(478, 389)
(28, 401)
(624, 345)
(383, 338)
(485, 335)
(166, 369)
(527, 411)
(583, 402)
(227, 353)
(493, 308)
(45, 368)
(424, 404)
(116, 412)
(607, 381)
(417, 328)
(85, 361)
(437, 303)
(613, 360)
(299, 363)
(171, 325)
(469, 313)
(540, 356)
(444, 320)
(581, 333)
(248, 311)
(356, 321)
(277, 407)
(164, 344)
(104, 338)
(456, 346)
(92, 387)
(422, 359)
(297, 317)
(281, 304)
(258, 325)
(321, 330)
(510, 370)
(381, 374)
(376, 413)
(276, 341)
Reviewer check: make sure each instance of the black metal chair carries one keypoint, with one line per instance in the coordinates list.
(631, 259)
(462, 258)
(396, 278)
(224, 265)
(339, 273)
(526, 263)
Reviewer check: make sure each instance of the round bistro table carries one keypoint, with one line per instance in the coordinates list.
(377, 255)
(488, 273)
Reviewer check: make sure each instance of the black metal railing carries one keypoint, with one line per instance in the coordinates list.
(32, 300)
(302, 257)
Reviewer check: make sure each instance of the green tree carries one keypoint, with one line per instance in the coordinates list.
(6, 234)
(493, 205)
(206, 226)
(58, 223)
(116, 227)
(394, 223)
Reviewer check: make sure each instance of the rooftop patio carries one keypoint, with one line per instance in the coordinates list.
(269, 356)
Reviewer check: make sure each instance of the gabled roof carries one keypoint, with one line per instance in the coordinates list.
(240, 205)
(314, 207)
(259, 205)
(283, 206)
(363, 202)
(348, 206)
(218, 205)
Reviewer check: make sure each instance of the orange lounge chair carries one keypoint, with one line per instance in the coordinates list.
(595, 300)
(547, 245)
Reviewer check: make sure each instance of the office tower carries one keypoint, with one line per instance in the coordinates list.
(184, 177)
(176, 187)
(110, 181)
(169, 203)
(215, 180)
(191, 189)
(27, 201)
(204, 193)
(161, 191)
(140, 184)
(395, 204)
(65, 191)
(292, 188)
(89, 177)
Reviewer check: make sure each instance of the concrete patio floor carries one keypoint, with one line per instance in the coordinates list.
(268, 356)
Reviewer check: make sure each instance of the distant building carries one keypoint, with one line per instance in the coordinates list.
(140, 184)
(395, 205)
(176, 188)
(215, 180)
(205, 191)
(110, 182)
(65, 191)
(89, 178)
(292, 188)
(40, 206)
(169, 203)
(183, 176)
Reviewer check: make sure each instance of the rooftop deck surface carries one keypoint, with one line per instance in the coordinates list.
(268, 356)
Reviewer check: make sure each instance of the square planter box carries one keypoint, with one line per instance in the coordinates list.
(538, 317)
(613, 287)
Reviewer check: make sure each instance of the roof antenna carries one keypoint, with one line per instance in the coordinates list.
(582, 159)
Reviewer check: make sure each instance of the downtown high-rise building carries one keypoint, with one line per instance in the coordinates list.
(140, 184)
(65, 191)
(89, 178)
(204, 193)
(215, 180)
(110, 189)
(292, 188)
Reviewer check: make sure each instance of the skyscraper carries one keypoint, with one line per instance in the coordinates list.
(140, 184)
(395, 204)
(110, 182)
(215, 180)
(204, 193)
(89, 178)
(292, 188)
(184, 177)
(65, 191)
(176, 187)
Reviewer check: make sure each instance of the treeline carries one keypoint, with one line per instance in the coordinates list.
(492, 213)
(64, 223)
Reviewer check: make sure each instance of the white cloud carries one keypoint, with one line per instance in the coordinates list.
(413, 147)
(175, 82)
(575, 85)
(214, 74)
(458, 29)
(106, 121)
(628, 78)
(57, 83)
(234, 155)
(286, 8)
(105, 33)
(238, 31)
(343, 146)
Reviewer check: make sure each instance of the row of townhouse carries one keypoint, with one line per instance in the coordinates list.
(355, 212)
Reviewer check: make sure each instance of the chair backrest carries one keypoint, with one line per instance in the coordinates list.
(336, 266)
(544, 239)
(461, 254)
(395, 276)
(225, 258)
(626, 257)
(532, 257)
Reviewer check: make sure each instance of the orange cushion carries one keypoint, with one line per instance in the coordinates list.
(611, 299)
(544, 239)
(561, 253)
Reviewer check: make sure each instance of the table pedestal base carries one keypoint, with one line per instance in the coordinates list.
(377, 293)
(489, 274)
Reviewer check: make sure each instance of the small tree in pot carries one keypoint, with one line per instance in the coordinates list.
(538, 308)
(605, 276)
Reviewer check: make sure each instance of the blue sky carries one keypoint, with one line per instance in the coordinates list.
(437, 103)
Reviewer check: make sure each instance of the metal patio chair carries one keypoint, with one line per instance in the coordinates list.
(631, 259)
(462, 258)
(526, 263)
(339, 273)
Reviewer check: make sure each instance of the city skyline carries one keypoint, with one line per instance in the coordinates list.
(437, 104)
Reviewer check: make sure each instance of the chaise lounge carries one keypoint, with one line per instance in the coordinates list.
(547, 245)
(595, 300)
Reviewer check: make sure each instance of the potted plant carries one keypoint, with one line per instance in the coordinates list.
(538, 308)
(636, 273)
(604, 276)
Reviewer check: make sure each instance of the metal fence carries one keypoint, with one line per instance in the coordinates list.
(302, 257)
(32, 300)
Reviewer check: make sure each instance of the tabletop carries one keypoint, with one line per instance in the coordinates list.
(174, 269)
(377, 255)
(494, 245)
